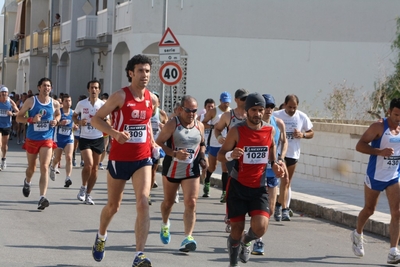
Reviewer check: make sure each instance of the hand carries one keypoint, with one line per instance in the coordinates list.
(182, 154)
(297, 134)
(83, 122)
(221, 139)
(279, 170)
(122, 137)
(386, 152)
(203, 163)
(37, 118)
(237, 153)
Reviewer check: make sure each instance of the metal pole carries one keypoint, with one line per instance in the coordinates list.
(165, 23)
(3, 65)
(51, 40)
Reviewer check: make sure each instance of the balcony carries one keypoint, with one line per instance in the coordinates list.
(27, 43)
(37, 43)
(123, 16)
(65, 31)
(87, 31)
(104, 27)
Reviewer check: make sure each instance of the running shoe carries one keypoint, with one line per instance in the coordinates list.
(393, 258)
(89, 200)
(52, 172)
(73, 162)
(358, 244)
(223, 197)
(57, 171)
(101, 167)
(285, 215)
(155, 185)
(177, 197)
(43, 203)
(141, 261)
(82, 163)
(82, 194)
(290, 212)
(26, 190)
(278, 213)
(206, 190)
(149, 200)
(3, 164)
(98, 249)
(244, 254)
(258, 248)
(68, 182)
(188, 244)
(165, 235)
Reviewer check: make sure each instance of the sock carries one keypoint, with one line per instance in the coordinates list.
(249, 236)
(224, 180)
(208, 176)
(165, 224)
(3, 158)
(138, 253)
(393, 250)
(289, 196)
(27, 182)
(41, 196)
(233, 250)
(278, 205)
(102, 237)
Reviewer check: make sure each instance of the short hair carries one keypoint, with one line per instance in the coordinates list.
(41, 81)
(105, 95)
(93, 81)
(137, 59)
(209, 101)
(395, 103)
(81, 97)
(65, 96)
(187, 98)
(291, 97)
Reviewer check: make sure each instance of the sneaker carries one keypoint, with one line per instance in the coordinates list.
(393, 258)
(101, 167)
(258, 248)
(285, 215)
(206, 190)
(82, 163)
(68, 182)
(149, 200)
(89, 200)
(26, 190)
(290, 212)
(177, 197)
(188, 244)
(57, 171)
(98, 249)
(141, 261)
(244, 254)
(233, 252)
(52, 173)
(3, 164)
(155, 185)
(358, 244)
(18, 142)
(43, 203)
(278, 213)
(228, 224)
(223, 197)
(82, 194)
(74, 163)
(165, 235)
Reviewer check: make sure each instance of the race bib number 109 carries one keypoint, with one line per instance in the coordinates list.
(255, 155)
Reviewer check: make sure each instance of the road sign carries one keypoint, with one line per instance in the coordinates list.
(170, 73)
(163, 50)
(168, 39)
(170, 57)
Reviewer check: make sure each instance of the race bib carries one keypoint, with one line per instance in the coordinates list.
(138, 133)
(41, 126)
(189, 159)
(3, 112)
(64, 130)
(88, 128)
(390, 163)
(289, 136)
(255, 155)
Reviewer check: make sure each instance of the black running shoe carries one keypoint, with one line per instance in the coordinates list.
(68, 182)
(26, 190)
(43, 203)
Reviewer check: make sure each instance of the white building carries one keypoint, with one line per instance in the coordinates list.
(268, 46)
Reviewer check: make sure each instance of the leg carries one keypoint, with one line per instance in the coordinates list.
(371, 200)
(68, 149)
(44, 160)
(284, 187)
(190, 188)
(393, 196)
(30, 170)
(87, 169)
(272, 195)
(141, 180)
(4, 145)
(169, 198)
(57, 157)
(93, 173)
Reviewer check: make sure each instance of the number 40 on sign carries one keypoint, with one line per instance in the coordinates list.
(170, 73)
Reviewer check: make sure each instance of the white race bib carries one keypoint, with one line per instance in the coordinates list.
(87, 129)
(138, 133)
(189, 159)
(390, 163)
(255, 155)
(64, 130)
(41, 126)
(3, 112)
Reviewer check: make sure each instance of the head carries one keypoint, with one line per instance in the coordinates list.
(104, 96)
(94, 88)
(58, 16)
(24, 96)
(291, 103)
(30, 93)
(255, 108)
(225, 99)
(138, 70)
(209, 104)
(3, 92)
(44, 86)
(269, 104)
(81, 97)
(188, 109)
(394, 111)
(66, 101)
(240, 97)
(177, 108)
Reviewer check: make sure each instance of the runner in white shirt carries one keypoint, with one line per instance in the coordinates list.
(298, 126)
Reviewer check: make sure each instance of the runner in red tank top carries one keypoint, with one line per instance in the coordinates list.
(250, 145)
(130, 154)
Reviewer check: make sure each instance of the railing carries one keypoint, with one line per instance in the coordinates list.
(21, 45)
(45, 37)
(27, 43)
(104, 25)
(122, 16)
(87, 27)
(37, 40)
(65, 32)
(56, 34)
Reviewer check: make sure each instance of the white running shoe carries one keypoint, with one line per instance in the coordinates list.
(3, 164)
(82, 194)
(52, 173)
(89, 200)
(393, 258)
(358, 243)
(177, 197)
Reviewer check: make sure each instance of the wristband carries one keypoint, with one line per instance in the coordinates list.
(30, 120)
(228, 156)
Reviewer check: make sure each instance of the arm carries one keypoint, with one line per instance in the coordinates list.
(57, 114)
(374, 131)
(202, 153)
(209, 116)
(21, 118)
(163, 118)
(221, 125)
(229, 146)
(308, 134)
(14, 108)
(277, 168)
(166, 132)
(282, 137)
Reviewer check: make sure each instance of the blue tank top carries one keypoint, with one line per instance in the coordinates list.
(63, 133)
(272, 121)
(5, 120)
(41, 130)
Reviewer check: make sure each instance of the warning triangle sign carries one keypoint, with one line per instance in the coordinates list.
(168, 39)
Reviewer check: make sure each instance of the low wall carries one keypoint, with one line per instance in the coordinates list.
(331, 157)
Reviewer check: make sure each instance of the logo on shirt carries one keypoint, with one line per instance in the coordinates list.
(42, 112)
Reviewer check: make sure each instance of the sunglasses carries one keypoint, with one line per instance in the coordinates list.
(243, 98)
(187, 110)
(270, 106)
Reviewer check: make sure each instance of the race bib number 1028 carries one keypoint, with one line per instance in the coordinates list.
(255, 155)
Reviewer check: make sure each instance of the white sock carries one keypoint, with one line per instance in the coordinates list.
(289, 196)
(393, 250)
(102, 237)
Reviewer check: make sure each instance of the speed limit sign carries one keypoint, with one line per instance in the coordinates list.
(170, 73)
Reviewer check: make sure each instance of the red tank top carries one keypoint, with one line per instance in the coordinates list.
(249, 170)
(133, 117)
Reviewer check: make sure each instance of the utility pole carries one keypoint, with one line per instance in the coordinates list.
(3, 65)
(51, 40)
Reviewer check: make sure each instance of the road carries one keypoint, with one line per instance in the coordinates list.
(62, 234)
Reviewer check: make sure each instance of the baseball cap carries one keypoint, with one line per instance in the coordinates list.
(254, 99)
(269, 99)
(4, 89)
(225, 97)
(240, 93)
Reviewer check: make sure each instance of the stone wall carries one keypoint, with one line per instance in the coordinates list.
(331, 157)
